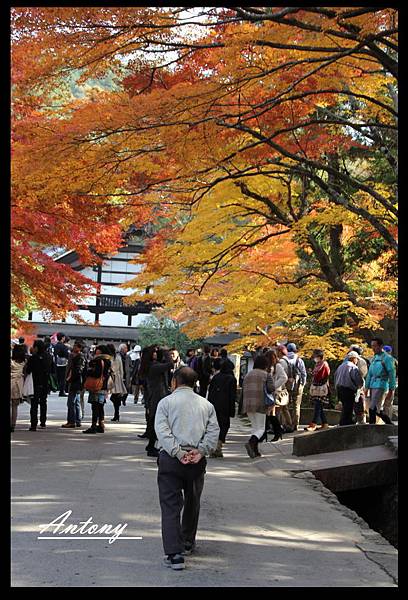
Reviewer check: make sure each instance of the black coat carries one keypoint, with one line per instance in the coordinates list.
(40, 366)
(76, 371)
(204, 367)
(60, 351)
(222, 393)
(156, 383)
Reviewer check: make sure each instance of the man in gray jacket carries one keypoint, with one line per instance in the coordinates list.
(187, 430)
(348, 381)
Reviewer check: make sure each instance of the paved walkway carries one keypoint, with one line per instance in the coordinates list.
(259, 525)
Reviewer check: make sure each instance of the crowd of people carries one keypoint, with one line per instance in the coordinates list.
(106, 373)
(364, 388)
(273, 390)
(188, 405)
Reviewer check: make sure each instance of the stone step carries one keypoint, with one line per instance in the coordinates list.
(392, 442)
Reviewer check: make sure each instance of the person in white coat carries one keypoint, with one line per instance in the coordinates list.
(18, 361)
(118, 389)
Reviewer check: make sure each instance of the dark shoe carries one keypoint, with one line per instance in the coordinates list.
(175, 561)
(42, 426)
(153, 452)
(385, 418)
(277, 429)
(100, 429)
(78, 424)
(372, 416)
(90, 430)
(69, 425)
(11, 429)
(217, 453)
(142, 436)
(33, 429)
(115, 420)
(188, 549)
(250, 446)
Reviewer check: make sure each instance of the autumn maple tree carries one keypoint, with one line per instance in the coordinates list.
(261, 143)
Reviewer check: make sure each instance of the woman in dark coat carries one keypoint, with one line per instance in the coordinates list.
(222, 393)
(154, 370)
(39, 364)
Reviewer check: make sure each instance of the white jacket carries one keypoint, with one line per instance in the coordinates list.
(117, 368)
(17, 379)
(279, 377)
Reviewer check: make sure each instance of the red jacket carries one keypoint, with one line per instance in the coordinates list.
(321, 373)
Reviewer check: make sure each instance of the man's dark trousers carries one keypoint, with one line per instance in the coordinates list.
(39, 398)
(173, 479)
(347, 397)
(61, 371)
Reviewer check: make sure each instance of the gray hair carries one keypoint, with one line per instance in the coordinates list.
(122, 346)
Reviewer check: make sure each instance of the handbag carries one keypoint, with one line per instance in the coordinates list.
(319, 390)
(282, 397)
(269, 398)
(94, 384)
(28, 387)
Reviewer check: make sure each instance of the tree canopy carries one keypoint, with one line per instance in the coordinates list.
(261, 142)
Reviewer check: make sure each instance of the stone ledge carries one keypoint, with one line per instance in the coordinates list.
(392, 442)
(342, 438)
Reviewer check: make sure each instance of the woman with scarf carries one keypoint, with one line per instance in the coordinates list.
(319, 391)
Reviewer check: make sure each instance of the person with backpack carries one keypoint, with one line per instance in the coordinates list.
(97, 376)
(380, 382)
(297, 376)
(204, 370)
(61, 354)
(360, 404)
